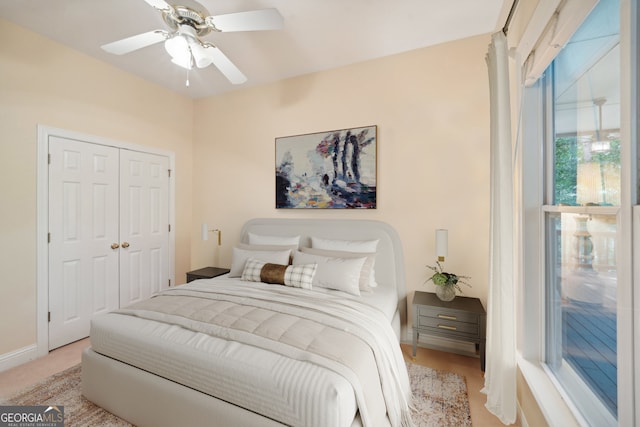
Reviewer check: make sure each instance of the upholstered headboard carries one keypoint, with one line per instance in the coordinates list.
(389, 259)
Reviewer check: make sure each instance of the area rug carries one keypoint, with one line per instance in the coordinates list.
(440, 399)
(63, 389)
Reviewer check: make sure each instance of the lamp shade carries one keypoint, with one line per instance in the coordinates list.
(200, 54)
(204, 230)
(442, 244)
(178, 48)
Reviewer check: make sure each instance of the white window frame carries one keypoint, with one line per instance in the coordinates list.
(555, 406)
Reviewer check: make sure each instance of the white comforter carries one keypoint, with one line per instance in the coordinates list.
(351, 339)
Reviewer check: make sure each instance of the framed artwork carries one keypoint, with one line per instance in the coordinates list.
(327, 170)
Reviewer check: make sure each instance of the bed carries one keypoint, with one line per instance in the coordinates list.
(235, 351)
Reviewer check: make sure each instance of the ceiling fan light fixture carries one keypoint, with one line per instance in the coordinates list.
(178, 48)
(184, 63)
(200, 55)
(601, 145)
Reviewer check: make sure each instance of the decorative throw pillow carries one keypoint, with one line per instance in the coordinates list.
(297, 276)
(257, 239)
(342, 274)
(240, 257)
(366, 274)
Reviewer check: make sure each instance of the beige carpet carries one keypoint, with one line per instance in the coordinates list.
(440, 399)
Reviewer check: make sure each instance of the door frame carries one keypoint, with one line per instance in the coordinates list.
(42, 218)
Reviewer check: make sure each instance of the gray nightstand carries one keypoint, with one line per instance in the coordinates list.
(463, 319)
(206, 273)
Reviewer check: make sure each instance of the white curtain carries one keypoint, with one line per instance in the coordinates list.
(500, 373)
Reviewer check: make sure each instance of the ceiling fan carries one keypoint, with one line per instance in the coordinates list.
(187, 24)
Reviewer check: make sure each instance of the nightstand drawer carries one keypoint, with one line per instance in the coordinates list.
(447, 314)
(448, 325)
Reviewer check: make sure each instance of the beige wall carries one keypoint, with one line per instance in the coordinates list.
(431, 107)
(42, 82)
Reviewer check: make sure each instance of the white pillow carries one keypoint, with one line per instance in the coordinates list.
(297, 276)
(367, 246)
(266, 247)
(367, 273)
(360, 246)
(342, 274)
(240, 257)
(257, 239)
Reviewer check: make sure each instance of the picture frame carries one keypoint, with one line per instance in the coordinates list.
(334, 169)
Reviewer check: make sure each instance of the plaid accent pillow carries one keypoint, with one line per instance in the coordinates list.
(252, 268)
(297, 276)
(300, 276)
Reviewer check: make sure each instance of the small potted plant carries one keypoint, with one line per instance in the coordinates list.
(446, 283)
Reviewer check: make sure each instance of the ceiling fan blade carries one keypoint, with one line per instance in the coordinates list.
(254, 20)
(224, 64)
(160, 5)
(136, 42)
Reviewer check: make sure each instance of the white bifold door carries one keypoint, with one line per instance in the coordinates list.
(108, 232)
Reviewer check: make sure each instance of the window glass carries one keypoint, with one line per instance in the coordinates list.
(586, 121)
(581, 347)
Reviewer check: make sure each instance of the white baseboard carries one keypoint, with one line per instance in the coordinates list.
(18, 357)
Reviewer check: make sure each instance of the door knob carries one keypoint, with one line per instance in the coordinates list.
(125, 245)
(115, 246)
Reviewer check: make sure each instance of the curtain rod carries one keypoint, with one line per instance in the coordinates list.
(505, 29)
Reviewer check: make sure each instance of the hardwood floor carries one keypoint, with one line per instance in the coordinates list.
(467, 366)
(67, 356)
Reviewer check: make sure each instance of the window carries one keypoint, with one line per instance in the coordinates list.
(581, 203)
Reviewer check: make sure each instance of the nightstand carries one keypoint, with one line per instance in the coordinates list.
(463, 319)
(206, 273)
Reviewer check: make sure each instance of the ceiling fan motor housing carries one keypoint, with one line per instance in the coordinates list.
(183, 15)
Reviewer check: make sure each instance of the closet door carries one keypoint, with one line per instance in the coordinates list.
(83, 226)
(109, 232)
(144, 225)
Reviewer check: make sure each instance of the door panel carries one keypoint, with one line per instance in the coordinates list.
(144, 218)
(83, 223)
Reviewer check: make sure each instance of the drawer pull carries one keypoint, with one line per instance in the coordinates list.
(444, 316)
(450, 328)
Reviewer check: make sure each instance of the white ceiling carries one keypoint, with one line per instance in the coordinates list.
(317, 35)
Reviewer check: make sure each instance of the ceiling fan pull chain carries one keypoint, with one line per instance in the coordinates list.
(191, 61)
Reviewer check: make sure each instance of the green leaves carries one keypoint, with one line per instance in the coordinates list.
(439, 279)
(442, 278)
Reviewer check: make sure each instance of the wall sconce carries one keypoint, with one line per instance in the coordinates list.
(442, 244)
(205, 233)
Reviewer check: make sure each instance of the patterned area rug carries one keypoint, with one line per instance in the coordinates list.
(63, 389)
(440, 399)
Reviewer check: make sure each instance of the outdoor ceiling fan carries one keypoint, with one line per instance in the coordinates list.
(187, 24)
